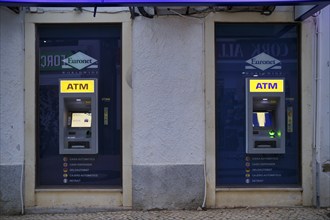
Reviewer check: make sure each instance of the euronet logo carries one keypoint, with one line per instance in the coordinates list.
(263, 62)
(79, 61)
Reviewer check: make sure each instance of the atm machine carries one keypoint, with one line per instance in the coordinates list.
(265, 116)
(78, 127)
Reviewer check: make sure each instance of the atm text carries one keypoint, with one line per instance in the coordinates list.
(77, 86)
(266, 86)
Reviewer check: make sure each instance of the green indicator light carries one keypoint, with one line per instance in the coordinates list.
(279, 133)
(271, 133)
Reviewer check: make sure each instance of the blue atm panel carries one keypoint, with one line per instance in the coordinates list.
(270, 120)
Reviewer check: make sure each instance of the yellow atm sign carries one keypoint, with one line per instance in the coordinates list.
(266, 85)
(77, 86)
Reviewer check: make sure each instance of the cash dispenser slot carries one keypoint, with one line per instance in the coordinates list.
(78, 144)
(265, 144)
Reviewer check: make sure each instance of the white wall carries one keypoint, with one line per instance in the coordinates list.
(323, 109)
(168, 96)
(168, 113)
(11, 110)
(11, 85)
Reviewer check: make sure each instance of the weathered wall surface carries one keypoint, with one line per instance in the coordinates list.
(11, 109)
(168, 113)
(323, 110)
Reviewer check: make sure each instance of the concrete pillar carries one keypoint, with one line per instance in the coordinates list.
(168, 113)
(11, 110)
(323, 111)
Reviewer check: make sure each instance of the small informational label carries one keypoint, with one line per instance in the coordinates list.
(266, 85)
(106, 116)
(261, 168)
(289, 113)
(78, 170)
(77, 86)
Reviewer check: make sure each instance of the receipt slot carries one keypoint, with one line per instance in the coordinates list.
(265, 116)
(78, 116)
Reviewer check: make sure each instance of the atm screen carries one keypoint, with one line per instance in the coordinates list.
(81, 120)
(262, 119)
